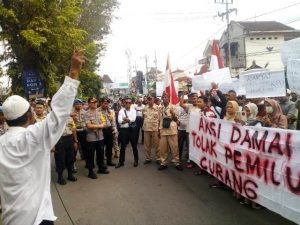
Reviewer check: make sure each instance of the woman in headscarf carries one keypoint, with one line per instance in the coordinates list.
(274, 117)
(251, 111)
(232, 108)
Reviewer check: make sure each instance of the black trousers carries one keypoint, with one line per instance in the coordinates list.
(98, 147)
(64, 154)
(108, 142)
(47, 222)
(139, 124)
(81, 136)
(126, 135)
(182, 140)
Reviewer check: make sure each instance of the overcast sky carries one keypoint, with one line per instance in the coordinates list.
(180, 28)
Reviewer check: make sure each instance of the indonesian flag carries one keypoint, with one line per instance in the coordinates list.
(216, 59)
(168, 85)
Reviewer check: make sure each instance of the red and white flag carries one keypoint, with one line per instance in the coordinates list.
(168, 85)
(216, 59)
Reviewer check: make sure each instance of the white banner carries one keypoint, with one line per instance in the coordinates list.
(218, 76)
(290, 50)
(199, 84)
(262, 164)
(293, 75)
(264, 84)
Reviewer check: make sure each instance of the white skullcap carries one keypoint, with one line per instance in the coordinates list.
(14, 107)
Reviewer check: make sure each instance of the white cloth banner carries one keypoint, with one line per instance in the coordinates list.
(218, 76)
(290, 50)
(199, 84)
(262, 164)
(293, 75)
(264, 84)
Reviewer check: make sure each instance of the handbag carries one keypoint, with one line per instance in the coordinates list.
(166, 122)
(132, 125)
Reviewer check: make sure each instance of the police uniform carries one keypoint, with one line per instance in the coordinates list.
(150, 127)
(107, 117)
(95, 143)
(80, 131)
(64, 152)
(168, 139)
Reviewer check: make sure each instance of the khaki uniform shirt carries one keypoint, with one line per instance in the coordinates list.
(165, 113)
(93, 118)
(69, 127)
(79, 120)
(151, 118)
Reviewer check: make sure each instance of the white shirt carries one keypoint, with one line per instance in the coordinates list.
(131, 114)
(190, 108)
(25, 163)
(139, 110)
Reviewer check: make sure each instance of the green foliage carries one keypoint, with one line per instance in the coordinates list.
(41, 35)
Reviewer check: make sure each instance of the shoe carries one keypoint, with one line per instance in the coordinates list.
(111, 164)
(92, 175)
(179, 167)
(189, 165)
(119, 165)
(103, 171)
(162, 167)
(147, 162)
(135, 164)
(61, 181)
(71, 177)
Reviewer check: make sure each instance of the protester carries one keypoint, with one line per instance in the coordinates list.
(251, 111)
(274, 117)
(25, 185)
(126, 120)
(168, 135)
(151, 114)
(232, 108)
(218, 101)
(40, 111)
(202, 103)
(182, 124)
(289, 110)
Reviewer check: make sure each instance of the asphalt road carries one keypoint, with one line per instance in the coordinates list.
(146, 196)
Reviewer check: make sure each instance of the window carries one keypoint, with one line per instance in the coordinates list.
(275, 38)
(270, 38)
(264, 38)
(251, 39)
(234, 48)
(257, 38)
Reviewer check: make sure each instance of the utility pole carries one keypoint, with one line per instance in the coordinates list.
(228, 11)
(146, 74)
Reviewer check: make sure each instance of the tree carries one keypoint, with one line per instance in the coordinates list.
(41, 34)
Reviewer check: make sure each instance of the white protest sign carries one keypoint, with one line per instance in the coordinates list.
(261, 164)
(290, 50)
(199, 84)
(218, 76)
(159, 87)
(293, 75)
(227, 86)
(265, 84)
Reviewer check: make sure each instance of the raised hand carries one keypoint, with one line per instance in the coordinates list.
(77, 62)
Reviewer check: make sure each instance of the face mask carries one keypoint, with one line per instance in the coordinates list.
(269, 109)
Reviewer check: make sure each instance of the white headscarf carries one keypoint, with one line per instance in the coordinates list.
(253, 111)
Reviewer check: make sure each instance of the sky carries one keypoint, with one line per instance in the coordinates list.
(148, 28)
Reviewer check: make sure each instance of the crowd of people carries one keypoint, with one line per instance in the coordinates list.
(99, 130)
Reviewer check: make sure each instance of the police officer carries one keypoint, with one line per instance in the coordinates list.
(107, 117)
(151, 114)
(168, 135)
(64, 152)
(78, 116)
(95, 140)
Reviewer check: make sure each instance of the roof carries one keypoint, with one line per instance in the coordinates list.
(106, 79)
(264, 26)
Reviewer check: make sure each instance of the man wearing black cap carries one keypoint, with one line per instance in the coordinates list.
(95, 140)
(25, 153)
(107, 117)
